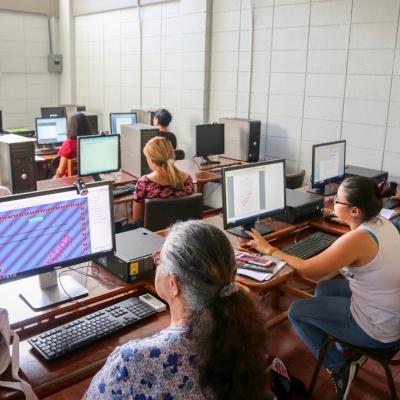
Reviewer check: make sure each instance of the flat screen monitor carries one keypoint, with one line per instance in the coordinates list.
(252, 192)
(118, 119)
(51, 112)
(328, 166)
(51, 131)
(209, 141)
(41, 232)
(93, 123)
(98, 155)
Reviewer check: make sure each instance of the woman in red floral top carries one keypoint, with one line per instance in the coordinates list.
(164, 182)
(78, 125)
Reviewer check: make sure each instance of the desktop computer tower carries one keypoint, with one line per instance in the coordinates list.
(133, 140)
(242, 138)
(1, 122)
(93, 123)
(17, 163)
(353, 170)
(144, 116)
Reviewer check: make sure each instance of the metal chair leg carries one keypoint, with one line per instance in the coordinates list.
(317, 368)
(392, 386)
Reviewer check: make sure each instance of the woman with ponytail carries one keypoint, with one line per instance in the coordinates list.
(215, 345)
(164, 181)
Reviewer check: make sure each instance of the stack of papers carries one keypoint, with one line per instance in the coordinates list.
(388, 213)
(263, 276)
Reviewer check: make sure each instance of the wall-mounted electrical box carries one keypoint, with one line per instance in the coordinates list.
(55, 63)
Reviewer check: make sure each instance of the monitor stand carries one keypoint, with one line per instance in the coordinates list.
(47, 291)
(326, 190)
(207, 161)
(241, 230)
(96, 177)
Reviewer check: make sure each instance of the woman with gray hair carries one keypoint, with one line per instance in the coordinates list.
(215, 345)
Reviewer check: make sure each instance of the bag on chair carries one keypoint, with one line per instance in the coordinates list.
(6, 359)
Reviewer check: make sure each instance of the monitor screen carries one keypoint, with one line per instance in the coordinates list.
(40, 231)
(328, 163)
(118, 119)
(51, 112)
(50, 131)
(209, 140)
(251, 192)
(98, 154)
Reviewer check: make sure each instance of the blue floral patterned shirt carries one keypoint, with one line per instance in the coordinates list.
(160, 367)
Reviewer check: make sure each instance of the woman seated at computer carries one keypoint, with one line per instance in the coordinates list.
(362, 309)
(215, 345)
(164, 182)
(161, 120)
(78, 125)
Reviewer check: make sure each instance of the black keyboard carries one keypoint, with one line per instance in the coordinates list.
(124, 190)
(390, 203)
(311, 245)
(42, 152)
(69, 337)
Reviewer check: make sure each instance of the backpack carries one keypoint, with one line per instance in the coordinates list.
(6, 359)
(284, 385)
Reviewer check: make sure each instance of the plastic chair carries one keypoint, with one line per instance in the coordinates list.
(385, 357)
(295, 180)
(161, 213)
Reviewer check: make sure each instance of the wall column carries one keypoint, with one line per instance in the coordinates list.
(67, 49)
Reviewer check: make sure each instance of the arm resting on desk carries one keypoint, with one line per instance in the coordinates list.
(355, 248)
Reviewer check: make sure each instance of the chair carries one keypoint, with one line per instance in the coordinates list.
(161, 213)
(72, 166)
(385, 357)
(295, 180)
(179, 154)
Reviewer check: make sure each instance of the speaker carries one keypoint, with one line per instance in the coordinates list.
(242, 138)
(17, 163)
(133, 140)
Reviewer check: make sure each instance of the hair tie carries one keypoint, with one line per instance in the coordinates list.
(228, 290)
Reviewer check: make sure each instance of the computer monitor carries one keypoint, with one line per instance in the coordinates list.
(209, 141)
(52, 112)
(328, 166)
(41, 232)
(118, 119)
(51, 131)
(98, 155)
(251, 192)
(93, 123)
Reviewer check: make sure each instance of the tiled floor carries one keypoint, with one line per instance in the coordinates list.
(370, 384)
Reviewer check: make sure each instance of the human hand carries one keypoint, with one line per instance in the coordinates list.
(258, 242)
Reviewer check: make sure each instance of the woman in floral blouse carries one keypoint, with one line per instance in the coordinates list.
(164, 181)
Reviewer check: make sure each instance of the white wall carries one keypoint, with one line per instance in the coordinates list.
(25, 84)
(321, 71)
(108, 60)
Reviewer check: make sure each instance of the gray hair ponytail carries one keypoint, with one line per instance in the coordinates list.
(202, 259)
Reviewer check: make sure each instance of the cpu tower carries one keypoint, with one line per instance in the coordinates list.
(144, 116)
(242, 138)
(133, 140)
(17, 163)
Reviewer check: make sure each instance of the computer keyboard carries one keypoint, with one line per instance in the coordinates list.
(42, 152)
(390, 203)
(73, 335)
(124, 190)
(310, 246)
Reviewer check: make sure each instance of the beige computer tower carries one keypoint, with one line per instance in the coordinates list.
(242, 138)
(144, 116)
(133, 140)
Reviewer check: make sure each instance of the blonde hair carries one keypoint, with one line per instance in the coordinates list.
(161, 152)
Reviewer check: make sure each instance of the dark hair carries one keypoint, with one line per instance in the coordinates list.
(229, 333)
(78, 125)
(363, 192)
(164, 117)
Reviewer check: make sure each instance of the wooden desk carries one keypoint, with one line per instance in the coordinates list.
(119, 178)
(50, 377)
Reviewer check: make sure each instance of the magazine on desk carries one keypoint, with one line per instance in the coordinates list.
(258, 267)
